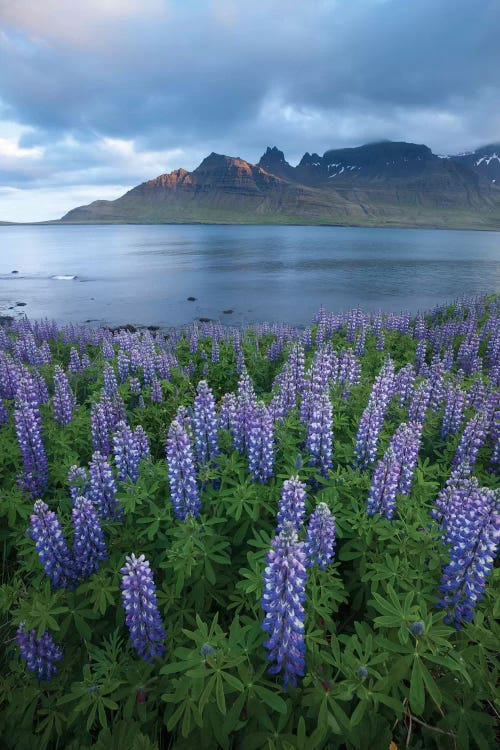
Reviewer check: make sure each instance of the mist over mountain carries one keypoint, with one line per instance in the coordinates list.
(379, 184)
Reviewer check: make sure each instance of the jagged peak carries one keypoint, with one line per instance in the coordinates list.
(274, 155)
(310, 159)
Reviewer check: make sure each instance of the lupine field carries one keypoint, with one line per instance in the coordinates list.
(252, 538)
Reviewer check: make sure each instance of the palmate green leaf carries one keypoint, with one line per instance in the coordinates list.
(417, 691)
(271, 699)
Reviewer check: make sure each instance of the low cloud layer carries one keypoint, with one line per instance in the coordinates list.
(112, 92)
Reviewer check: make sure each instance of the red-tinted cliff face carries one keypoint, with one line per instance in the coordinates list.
(170, 180)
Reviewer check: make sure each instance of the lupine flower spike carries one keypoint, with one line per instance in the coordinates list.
(282, 601)
(141, 611)
(320, 537)
(40, 654)
(46, 531)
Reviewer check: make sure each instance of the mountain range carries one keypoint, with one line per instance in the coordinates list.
(378, 184)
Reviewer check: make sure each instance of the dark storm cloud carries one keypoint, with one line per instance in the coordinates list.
(189, 77)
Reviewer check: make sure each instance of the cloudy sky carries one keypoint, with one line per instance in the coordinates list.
(99, 95)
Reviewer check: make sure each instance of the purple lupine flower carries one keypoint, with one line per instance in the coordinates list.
(306, 339)
(127, 453)
(261, 444)
(419, 402)
(359, 346)
(240, 360)
(454, 410)
(181, 473)
(142, 615)
(53, 552)
(148, 365)
(40, 654)
(460, 495)
(89, 547)
(142, 442)
(64, 398)
(468, 358)
(4, 413)
(380, 342)
(320, 434)
(385, 482)
(156, 394)
(107, 350)
(41, 388)
(292, 507)
(284, 399)
(448, 359)
(134, 385)
(474, 544)
(34, 478)
(99, 428)
(476, 395)
(205, 424)
(183, 417)
(295, 366)
(77, 480)
(320, 377)
(110, 382)
(45, 353)
(349, 370)
(75, 364)
(406, 445)
(193, 341)
(320, 537)
(404, 382)
(376, 324)
(246, 404)
(473, 438)
(215, 352)
(373, 416)
(102, 490)
(420, 327)
(282, 600)
(27, 389)
(8, 376)
(420, 366)
(227, 414)
(495, 438)
(123, 362)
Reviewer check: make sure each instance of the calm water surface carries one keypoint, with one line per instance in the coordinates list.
(144, 274)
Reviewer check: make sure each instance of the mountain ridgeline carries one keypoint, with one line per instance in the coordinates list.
(379, 184)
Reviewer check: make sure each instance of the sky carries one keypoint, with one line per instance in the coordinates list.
(97, 96)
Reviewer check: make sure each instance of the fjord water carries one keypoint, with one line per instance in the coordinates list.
(143, 274)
